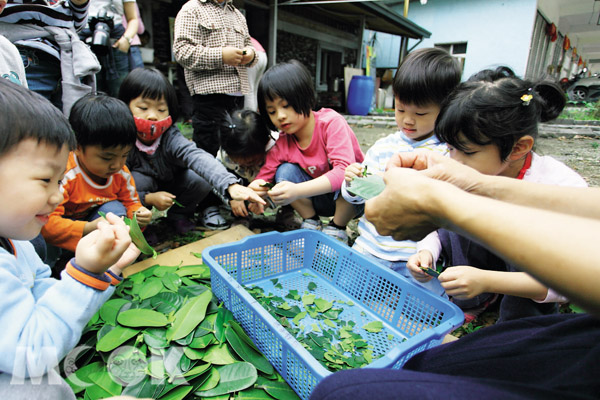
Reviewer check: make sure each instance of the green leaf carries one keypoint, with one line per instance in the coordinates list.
(179, 393)
(373, 326)
(366, 187)
(312, 286)
(189, 316)
(146, 388)
(139, 317)
(79, 380)
(242, 334)
(156, 369)
(247, 353)
(197, 370)
(171, 281)
(137, 237)
(106, 383)
(151, 287)
(279, 390)
(234, 377)
(202, 341)
(110, 309)
(253, 394)
(166, 302)
(115, 338)
(200, 271)
(193, 354)
(223, 316)
(156, 338)
(218, 354)
(211, 380)
(323, 305)
(192, 290)
(308, 299)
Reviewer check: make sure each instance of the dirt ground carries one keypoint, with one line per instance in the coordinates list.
(582, 153)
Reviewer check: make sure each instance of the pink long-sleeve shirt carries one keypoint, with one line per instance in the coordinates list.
(332, 148)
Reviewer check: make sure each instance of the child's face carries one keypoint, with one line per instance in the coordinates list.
(485, 159)
(99, 163)
(30, 177)
(284, 117)
(417, 123)
(146, 108)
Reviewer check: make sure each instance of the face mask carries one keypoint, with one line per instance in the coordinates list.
(152, 130)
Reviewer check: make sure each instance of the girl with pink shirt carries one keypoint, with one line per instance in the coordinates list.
(307, 163)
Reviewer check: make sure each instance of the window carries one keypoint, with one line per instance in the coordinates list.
(329, 66)
(458, 50)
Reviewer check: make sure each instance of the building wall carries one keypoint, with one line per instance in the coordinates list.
(497, 32)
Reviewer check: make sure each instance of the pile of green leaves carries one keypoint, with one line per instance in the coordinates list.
(328, 336)
(163, 335)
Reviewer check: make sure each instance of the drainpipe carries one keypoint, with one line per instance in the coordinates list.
(406, 8)
(272, 33)
(363, 24)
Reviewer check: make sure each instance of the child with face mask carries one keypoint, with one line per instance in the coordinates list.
(165, 165)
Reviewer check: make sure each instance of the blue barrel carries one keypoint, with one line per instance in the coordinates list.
(360, 94)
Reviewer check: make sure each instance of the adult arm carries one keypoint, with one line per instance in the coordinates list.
(531, 238)
(131, 16)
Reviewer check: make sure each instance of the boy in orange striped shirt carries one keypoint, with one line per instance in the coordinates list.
(96, 179)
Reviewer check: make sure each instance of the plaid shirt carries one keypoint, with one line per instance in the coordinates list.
(202, 28)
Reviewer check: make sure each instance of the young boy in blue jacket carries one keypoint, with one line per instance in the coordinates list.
(42, 318)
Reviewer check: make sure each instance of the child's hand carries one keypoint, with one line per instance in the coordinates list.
(239, 192)
(232, 56)
(248, 56)
(104, 246)
(129, 256)
(463, 281)
(143, 216)
(160, 200)
(256, 208)
(284, 193)
(352, 171)
(424, 259)
(238, 208)
(257, 186)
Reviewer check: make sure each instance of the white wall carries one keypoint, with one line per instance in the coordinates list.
(497, 32)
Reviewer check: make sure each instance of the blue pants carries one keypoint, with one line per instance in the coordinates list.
(53, 253)
(324, 204)
(43, 74)
(188, 187)
(547, 357)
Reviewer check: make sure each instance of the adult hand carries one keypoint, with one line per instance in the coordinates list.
(122, 45)
(463, 281)
(232, 56)
(160, 200)
(129, 256)
(104, 246)
(421, 259)
(437, 166)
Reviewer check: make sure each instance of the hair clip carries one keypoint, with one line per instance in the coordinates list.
(231, 126)
(526, 98)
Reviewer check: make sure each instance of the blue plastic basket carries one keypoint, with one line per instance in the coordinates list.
(414, 319)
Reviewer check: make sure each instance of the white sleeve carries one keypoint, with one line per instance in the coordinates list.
(553, 297)
(432, 244)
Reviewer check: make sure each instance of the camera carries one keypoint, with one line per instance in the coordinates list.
(100, 26)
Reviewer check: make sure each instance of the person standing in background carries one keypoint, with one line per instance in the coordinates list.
(254, 75)
(213, 46)
(115, 61)
(135, 54)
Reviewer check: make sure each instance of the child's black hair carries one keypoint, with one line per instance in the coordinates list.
(100, 120)
(496, 107)
(290, 81)
(426, 76)
(244, 133)
(28, 115)
(150, 83)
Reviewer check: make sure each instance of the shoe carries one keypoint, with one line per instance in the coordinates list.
(212, 219)
(183, 226)
(286, 219)
(311, 224)
(338, 234)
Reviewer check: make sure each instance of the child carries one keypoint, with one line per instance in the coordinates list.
(165, 164)
(245, 140)
(42, 318)
(424, 79)
(96, 180)
(490, 124)
(307, 163)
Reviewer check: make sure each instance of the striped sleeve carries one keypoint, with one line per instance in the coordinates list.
(61, 14)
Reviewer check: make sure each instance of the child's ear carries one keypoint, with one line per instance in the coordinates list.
(521, 148)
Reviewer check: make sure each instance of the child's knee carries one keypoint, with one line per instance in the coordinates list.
(290, 172)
